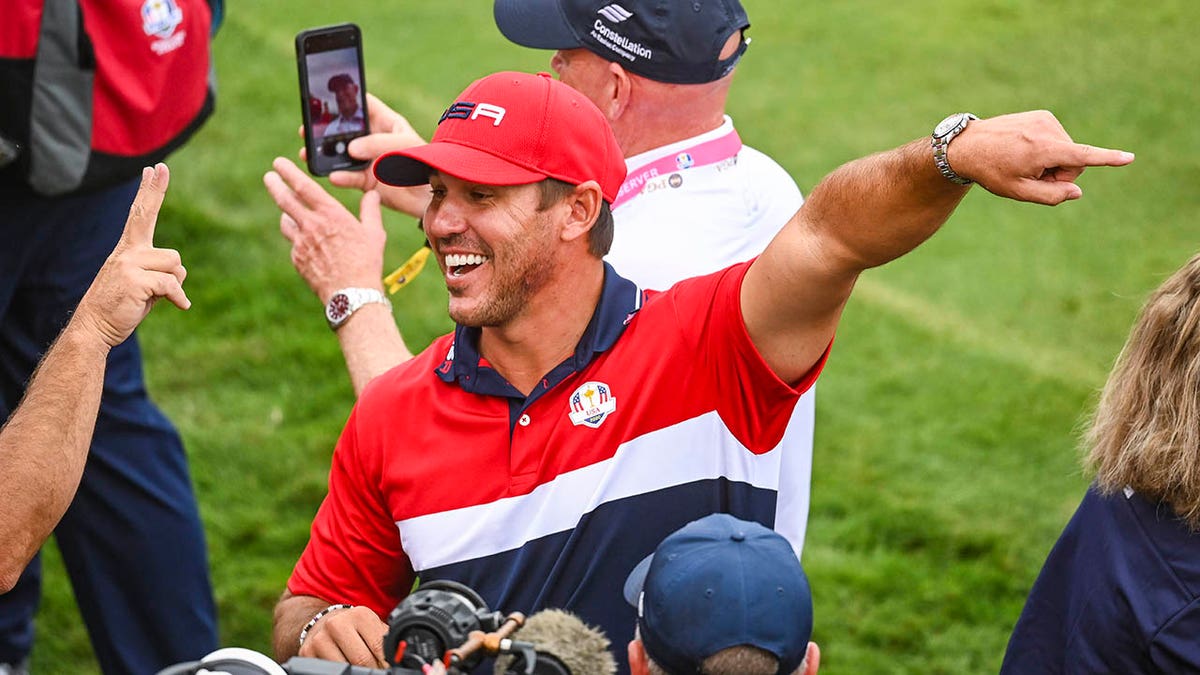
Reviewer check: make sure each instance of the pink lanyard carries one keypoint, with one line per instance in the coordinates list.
(708, 152)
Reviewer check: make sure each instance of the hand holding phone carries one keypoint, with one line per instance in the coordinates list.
(333, 95)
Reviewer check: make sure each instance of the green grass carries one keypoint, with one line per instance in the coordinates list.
(947, 417)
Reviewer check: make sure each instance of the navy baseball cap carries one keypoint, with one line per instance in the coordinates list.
(719, 582)
(664, 40)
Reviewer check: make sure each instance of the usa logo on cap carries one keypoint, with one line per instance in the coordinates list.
(466, 110)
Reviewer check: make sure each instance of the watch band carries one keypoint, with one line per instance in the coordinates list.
(347, 301)
(943, 133)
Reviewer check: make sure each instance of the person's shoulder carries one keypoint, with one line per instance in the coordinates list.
(761, 166)
(697, 290)
(770, 185)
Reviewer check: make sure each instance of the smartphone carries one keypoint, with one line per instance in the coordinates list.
(333, 95)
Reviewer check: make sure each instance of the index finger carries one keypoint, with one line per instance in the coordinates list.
(1079, 154)
(309, 191)
(143, 214)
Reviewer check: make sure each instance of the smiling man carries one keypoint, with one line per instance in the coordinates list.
(692, 188)
(543, 448)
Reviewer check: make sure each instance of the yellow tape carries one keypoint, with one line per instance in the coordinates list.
(407, 272)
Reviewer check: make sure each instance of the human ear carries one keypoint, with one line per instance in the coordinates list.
(584, 203)
(622, 87)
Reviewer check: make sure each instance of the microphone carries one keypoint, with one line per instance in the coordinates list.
(564, 645)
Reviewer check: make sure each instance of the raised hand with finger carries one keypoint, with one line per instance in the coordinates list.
(1027, 156)
(137, 273)
(331, 247)
(340, 256)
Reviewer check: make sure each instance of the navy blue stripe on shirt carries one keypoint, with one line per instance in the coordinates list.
(566, 562)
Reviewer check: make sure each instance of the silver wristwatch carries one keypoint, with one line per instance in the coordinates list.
(943, 133)
(348, 300)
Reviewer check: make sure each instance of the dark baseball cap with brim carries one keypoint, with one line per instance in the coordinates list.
(720, 582)
(673, 41)
(340, 80)
(513, 129)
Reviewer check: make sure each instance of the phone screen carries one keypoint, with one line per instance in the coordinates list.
(333, 95)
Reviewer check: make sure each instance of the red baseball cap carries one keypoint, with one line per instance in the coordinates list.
(512, 129)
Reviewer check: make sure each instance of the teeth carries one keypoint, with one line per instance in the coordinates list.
(457, 260)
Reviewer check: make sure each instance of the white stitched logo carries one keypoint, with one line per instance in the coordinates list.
(488, 110)
(615, 13)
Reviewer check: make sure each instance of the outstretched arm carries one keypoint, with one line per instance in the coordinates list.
(878, 208)
(44, 445)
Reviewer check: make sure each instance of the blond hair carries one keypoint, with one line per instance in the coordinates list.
(1145, 433)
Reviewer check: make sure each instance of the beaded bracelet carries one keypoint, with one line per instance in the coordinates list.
(313, 621)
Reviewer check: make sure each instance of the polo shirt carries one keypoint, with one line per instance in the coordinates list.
(1119, 593)
(694, 207)
(665, 413)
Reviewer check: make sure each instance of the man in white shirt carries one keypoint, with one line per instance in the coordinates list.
(695, 200)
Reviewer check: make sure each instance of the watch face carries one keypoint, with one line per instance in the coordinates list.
(338, 307)
(947, 125)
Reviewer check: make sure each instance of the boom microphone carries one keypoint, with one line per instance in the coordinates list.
(565, 645)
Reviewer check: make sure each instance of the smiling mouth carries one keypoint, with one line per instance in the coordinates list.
(459, 264)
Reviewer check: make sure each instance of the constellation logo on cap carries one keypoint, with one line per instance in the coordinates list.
(674, 41)
(614, 13)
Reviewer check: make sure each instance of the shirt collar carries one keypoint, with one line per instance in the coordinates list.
(642, 158)
(620, 300)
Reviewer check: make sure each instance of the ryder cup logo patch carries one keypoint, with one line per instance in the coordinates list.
(684, 160)
(160, 18)
(591, 404)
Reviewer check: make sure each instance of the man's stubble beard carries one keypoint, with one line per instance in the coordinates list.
(509, 292)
